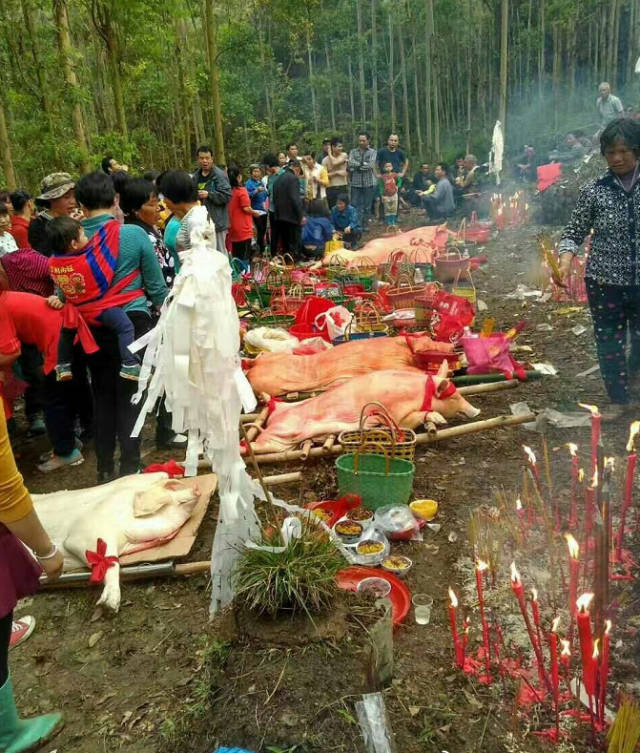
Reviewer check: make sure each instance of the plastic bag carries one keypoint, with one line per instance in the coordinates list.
(370, 533)
(310, 309)
(271, 339)
(452, 314)
(489, 354)
(335, 320)
(397, 521)
(372, 716)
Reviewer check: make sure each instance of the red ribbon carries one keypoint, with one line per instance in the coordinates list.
(99, 562)
(173, 469)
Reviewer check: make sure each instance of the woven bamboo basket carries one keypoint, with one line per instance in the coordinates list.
(400, 442)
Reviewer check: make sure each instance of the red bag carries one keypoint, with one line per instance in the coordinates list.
(548, 175)
(490, 354)
(451, 315)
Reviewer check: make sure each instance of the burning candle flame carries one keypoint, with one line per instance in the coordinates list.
(633, 433)
(518, 505)
(573, 449)
(574, 547)
(581, 475)
(593, 409)
(607, 627)
(566, 650)
(583, 602)
(481, 566)
(467, 624)
(594, 479)
(554, 625)
(453, 597)
(531, 456)
(596, 650)
(610, 463)
(534, 594)
(515, 575)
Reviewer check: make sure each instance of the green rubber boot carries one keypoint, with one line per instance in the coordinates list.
(23, 735)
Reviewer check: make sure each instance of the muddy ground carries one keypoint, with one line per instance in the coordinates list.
(158, 677)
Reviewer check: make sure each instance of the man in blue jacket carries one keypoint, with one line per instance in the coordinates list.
(214, 191)
(344, 218)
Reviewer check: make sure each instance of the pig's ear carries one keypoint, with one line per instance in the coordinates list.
(443, 371)
(434, 417)
(149, 501)
(443, 384)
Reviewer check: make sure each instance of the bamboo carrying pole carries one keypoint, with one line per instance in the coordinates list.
(451, 433)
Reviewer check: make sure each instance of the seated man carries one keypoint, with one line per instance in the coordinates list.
(317, 229)
(440, 204)
(571, 152)
(525, 164)
(344, 218)
(422, 180)
(464, 182)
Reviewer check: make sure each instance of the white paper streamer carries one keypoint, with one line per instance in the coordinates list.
(193, 359)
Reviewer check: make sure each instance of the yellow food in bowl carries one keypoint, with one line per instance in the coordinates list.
(424, 508)
(370, 547)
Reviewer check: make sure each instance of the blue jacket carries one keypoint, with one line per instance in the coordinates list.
(316, 232)
(348, 218)
(258, 198)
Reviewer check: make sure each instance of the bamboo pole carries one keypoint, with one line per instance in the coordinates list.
(252, 433)
(478, 389)
(282, 478)
(451, 433)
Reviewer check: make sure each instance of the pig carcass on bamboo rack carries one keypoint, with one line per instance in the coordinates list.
(412, 398)
(280, 373)
(128, 515)
(378, 250)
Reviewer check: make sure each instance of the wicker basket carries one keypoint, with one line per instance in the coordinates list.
(283, 262)
(402, 294)
(451, 266)
(425, 303)
(337, 267)
(401, 442)
(269, 318)
(289, 302)
(398, 263)
(377, 479)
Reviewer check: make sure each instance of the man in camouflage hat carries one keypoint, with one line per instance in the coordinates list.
(57, 199)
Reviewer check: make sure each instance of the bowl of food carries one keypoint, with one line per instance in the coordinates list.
(348, 530)
(360, 513)
(369, 547)
(376, 587)
(425, 509)
(397, 564)
(324, 515)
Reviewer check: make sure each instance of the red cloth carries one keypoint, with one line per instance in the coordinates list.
(28, 272)
(20, 231)
(19, 572)
(171, 467)
(548, 175)
(241, 222)
(116, 296)
(27, 318)
(99, 562)
(389, 184)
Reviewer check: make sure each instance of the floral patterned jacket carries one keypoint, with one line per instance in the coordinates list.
(614, 216)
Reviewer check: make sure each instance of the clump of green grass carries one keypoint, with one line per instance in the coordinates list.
(300, 579)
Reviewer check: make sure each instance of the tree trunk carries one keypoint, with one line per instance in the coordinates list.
(214, 81)
(332, 97)
(351, 97)
(312, 86)
(360, 32)
(541, 58)
(416, 98)
(405, 90)
(504, 63)
(374, 71)
(556, 74)
(428, 39)
(5, 150)
(391, 73)
(198, 121)
(66, 53)
(184, 95)
(39, 69)
(612, 43)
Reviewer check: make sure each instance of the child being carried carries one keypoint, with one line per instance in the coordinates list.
(83, 276)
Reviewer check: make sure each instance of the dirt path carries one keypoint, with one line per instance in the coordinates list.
(129, 689)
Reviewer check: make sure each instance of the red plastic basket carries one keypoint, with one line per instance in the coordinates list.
(304, 331)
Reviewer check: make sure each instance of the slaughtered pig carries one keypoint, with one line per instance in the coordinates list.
(411, 398)
(279, 373)
(130, 514)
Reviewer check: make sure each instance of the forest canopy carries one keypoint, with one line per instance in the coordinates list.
(150, 81)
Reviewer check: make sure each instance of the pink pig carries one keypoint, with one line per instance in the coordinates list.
(411, 398)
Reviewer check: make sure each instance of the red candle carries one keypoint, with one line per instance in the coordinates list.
(480, 568)
(535, 609)
(516, 586)
(590, 504)
(465, 637)
(604, 667)
(575, 461)
(586, 642)
(595, 433)
(555, 675)
(574, 571)
(454, 629)
(565, 659)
